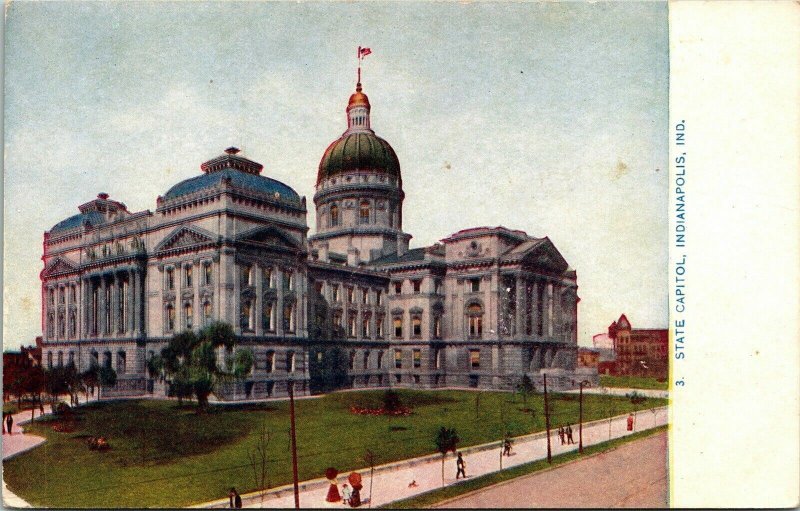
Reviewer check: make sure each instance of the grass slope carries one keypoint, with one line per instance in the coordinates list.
(165, 456)
(633, 382)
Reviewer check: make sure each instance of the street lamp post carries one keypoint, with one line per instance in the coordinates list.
(290, 384)
(580, 417)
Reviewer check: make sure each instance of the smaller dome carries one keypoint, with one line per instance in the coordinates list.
(358, 99)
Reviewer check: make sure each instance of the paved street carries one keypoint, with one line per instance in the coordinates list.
(632, 476)
(394, 482)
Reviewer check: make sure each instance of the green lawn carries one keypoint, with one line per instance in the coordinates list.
(164, 456)
(633, 382)
(432, 498)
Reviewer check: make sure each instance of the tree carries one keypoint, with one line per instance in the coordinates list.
(371, 459)
(525, 388)
(55, 383)
(260, 462)
(155, 365)
(89, 379)
(190, 361)
(446, 441)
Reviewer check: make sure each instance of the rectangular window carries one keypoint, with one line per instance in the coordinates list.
(416, 326)
(365, 327)
(351, 326)
(290, 362)
(474, 285)
(319, 287)
(268, 318)
(170, 318)
(288, 281)
(398, 288)
(246, 276)
(379, 297)
(379, 326)
(350, 295)
(398, 359)
(207, 313)
(188, 270)
(335, 292)
(170, 279)
(417, 286)
(475, 326)
(208, 274)
(398, 327)
(364, 296)
(269, 365)
(72, 294)
(380, 360)
(288, 318)
(245, 317)
(188, 315)
(417, 358)
(475, 359)
(437, 286)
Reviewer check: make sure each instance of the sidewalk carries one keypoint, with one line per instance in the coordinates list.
(391, 481)
(620, 391)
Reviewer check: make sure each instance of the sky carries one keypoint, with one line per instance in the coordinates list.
(545, 117)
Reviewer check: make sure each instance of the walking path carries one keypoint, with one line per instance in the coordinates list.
(620, 391)
(393, 481)
(633, 475)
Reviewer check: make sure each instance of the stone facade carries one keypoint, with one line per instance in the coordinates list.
(479, 309)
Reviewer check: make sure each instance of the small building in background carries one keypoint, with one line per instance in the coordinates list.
(588, 357)
(639, 351)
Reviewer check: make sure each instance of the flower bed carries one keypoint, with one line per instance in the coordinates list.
(402, 411)
(64, 427)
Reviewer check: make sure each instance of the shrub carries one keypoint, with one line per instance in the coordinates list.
(391, 401)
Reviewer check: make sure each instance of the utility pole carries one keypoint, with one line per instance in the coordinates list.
(580, 420)
(547, 420)
(294, 446)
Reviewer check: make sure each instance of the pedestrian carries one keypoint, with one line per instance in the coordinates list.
(461, 465)
(561, 434)
(630, 422)
(346, 494)
(333, 490)
(507, 447)
(10, 423)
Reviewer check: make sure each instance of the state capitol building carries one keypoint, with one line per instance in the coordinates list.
(478, 310)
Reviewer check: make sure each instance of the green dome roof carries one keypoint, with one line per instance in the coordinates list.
(361, 150)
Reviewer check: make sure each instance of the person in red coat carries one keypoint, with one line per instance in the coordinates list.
(333, 490)
(630, 422)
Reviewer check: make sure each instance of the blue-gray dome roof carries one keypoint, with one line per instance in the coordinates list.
(239, 179)
(91, 217)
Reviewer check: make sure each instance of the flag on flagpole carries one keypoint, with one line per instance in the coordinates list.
(363, 52)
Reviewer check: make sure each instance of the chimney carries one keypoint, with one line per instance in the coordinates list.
(352, 257)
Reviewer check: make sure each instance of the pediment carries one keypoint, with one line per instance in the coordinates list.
(546, 255)
(185, 237)
(268, 236)
(59, 265)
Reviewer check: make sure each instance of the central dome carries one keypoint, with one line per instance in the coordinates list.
(361, 150)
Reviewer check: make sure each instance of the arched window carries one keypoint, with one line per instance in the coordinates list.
(352, 360)
(363, 212)
(49, 359)
(290, 362)
(270, 365)
(334, 219)
(475, 320)
(366, 359)
(60, 359)
(107, 359)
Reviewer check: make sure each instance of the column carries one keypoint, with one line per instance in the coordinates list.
(129, 316)
(558, 320)
(237, 298)
(279, 307)
(259, 301)
(196, 306)
(548, 311)
(137, 302)
(522, 305)
(114, 305)
(67, 311)
(101, 307)
(360, 307)
(45, 308)
(81, 328)
(180, 322)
